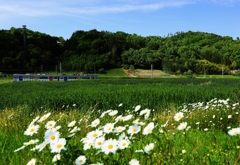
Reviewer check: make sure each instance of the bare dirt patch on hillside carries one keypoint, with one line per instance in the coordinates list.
(145, 73)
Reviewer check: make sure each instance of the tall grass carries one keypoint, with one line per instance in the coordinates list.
(205, 139)
(210, 108)
(156, 94)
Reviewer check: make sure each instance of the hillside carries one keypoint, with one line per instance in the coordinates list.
(97, 51)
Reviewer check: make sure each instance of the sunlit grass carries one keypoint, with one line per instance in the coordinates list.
(5, 80)
(151, 137)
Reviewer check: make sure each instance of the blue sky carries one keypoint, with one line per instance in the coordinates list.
(142, 17)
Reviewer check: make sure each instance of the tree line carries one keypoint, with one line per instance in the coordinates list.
(97, 51)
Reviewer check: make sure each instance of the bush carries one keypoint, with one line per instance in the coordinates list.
(102, 70)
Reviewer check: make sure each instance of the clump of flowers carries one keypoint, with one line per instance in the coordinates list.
(114, 137)
(109, 135)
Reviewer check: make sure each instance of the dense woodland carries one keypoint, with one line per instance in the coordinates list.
(97, 51)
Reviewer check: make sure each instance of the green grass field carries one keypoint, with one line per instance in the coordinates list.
(121, 121)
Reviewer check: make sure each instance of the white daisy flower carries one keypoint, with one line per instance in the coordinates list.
(178, 116)
(105, 112)
(138, 122)
(182, 126)
(148, 129)
(119, 118)
(134, 129)
(75, 129)
(88, 143)
(98, 142)
(34, 120)
(126, 118)
(58, 145)
(81, 160)
(32, 129)
(56, 157)
(148, 147)
(71, 124)
(31, 142)
(44, 117)
(113, 113)
(134, 162)
(57, 127)
(51, 135)
(234, 131)
(124, 143)
(137, 108)
(95, 123)
(119, 129)
(109, 146)
(96, 163)
(108, 128)
(32, 161)
(50, 124)
(41, 146)
(122, 136)
(146, 113)
(94, 134)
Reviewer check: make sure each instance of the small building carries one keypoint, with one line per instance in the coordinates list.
(46, 77)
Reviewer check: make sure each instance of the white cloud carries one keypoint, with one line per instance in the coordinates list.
(60, 7)
(42, 8)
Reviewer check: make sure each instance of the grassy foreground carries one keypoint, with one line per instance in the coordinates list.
(196, 133)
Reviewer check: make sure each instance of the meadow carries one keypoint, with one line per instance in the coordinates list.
(121, 121)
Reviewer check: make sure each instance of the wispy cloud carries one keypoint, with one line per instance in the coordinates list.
(121, 8)
(53, 7)
(43, 8)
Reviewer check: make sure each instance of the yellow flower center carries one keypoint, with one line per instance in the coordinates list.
(80, 160)
(134, 130)
(110, 146)
(95, 135)
(32, 130)
(99, 143)
(59, 146)
(124, 144)
(52, 137)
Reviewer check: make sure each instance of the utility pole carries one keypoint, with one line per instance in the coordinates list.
(204, 71)
(60, 60)
(41, 69)
(152, 70)
(60, 67)
(24, 36)
(222, 71)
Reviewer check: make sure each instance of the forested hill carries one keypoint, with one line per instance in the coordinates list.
(95, 51)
